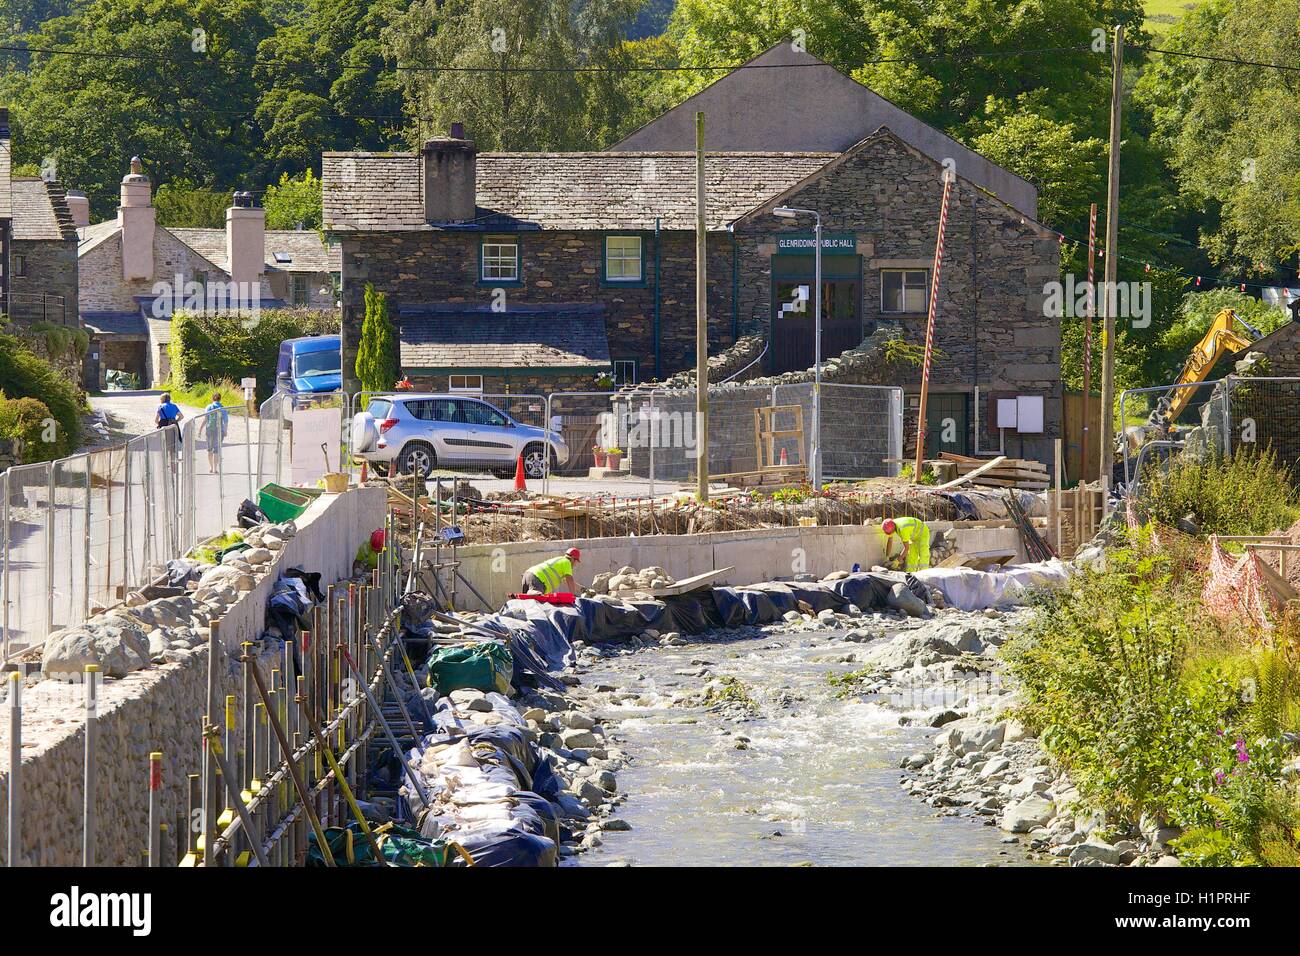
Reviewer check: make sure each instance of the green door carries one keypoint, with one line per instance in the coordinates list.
(947, 417)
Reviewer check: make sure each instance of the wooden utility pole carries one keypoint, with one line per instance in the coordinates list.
(701, 321)
(1086, 438)
(1108, 297)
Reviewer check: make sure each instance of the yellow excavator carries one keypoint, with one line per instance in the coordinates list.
(1222, 338)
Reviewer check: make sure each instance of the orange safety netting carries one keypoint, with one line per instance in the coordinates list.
(1236, 587)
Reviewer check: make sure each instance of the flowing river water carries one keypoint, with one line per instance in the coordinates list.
(809, 778)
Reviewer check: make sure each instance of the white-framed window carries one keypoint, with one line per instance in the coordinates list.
(20, 266)
(625, 371)
(623, 258)
(499, 259)
(904, 290)
(465, 383)
(301, 291)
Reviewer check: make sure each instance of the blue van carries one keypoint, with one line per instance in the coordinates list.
(309, 364)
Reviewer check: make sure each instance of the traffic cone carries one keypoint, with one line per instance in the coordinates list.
(783, 458)
(519, 474)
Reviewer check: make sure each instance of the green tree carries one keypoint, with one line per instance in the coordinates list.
(294, 203)
(377, 364)
(325, 83)
(1233, 131)
(181, 204)
(174, 88)
(513, 79)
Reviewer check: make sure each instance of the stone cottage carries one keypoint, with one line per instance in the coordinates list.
(135, 273)
(536, 272)
(38, 247)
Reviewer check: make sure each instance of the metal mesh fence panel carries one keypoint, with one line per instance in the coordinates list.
(1199, 424)
(28, 575)
(1264, 415)
(861, 427)
(70, 517)
(106, 534)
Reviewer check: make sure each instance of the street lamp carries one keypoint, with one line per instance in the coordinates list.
(790, 212)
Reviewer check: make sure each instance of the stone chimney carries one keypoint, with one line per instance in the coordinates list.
(245, 239)
(79, 206)
(449, 168)
(136, 218)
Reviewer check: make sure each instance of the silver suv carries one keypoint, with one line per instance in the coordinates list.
(420, 432)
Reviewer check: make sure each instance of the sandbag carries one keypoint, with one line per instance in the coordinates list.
(738, 607)
(820, 597)
(868, 591)
(510, 845)
(486, 667)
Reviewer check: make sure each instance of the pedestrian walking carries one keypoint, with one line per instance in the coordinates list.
(216, 422)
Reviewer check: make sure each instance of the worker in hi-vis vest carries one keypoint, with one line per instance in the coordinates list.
(553, 575)
(911, 538)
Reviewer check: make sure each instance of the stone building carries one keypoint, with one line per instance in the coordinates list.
(504, 269)
(135, 272)
(38, 246)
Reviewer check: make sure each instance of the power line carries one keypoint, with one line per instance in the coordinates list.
(609, 68)
(1220, 59)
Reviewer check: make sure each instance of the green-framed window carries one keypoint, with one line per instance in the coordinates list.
(498, 259)
(624, 259)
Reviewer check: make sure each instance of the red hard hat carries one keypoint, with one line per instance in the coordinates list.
(888, 526)
(573, 553)
(377, 540)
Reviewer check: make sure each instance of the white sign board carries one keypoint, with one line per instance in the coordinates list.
(1029, 414)
(248, 383)
(1007, 408)
(310, 427)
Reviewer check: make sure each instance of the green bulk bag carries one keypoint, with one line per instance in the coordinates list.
(399, 845)
(486, 667)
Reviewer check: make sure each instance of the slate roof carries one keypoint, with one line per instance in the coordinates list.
(115, 323)
(546, 337)
(381, 192)
(40, 210)
(307, 253)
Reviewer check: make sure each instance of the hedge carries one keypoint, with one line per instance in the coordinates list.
(23, 374)
(209, 348)
(26, 418)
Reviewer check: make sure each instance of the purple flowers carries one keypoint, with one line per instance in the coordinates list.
(1242, 755)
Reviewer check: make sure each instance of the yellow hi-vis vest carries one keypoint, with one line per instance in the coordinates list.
(552, 573)
(916, 542)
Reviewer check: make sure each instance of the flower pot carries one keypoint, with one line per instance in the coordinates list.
(615, 460)
(598, 456)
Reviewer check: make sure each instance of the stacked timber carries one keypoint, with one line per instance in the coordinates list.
(998, 472)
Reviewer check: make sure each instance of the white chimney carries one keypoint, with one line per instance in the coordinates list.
(246, 240)
(136, 218)
(79, 206)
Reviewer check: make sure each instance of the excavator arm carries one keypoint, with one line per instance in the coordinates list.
(1219, 340)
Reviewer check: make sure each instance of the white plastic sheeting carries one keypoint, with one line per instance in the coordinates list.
(971, 590)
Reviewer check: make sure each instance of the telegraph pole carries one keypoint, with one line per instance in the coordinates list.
(701, 322)
(1108, 297)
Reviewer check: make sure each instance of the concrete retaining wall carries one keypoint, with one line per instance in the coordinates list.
(155, 709)
(761, 555)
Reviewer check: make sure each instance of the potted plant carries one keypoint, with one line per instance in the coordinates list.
(615, 456)
(604, 381)
(598, 456)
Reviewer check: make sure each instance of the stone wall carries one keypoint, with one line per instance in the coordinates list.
(556, 267)
(159, 708)
(50, 269)
(991, 330)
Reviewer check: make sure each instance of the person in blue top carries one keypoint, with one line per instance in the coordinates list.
(168, 413)
(216, 420)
